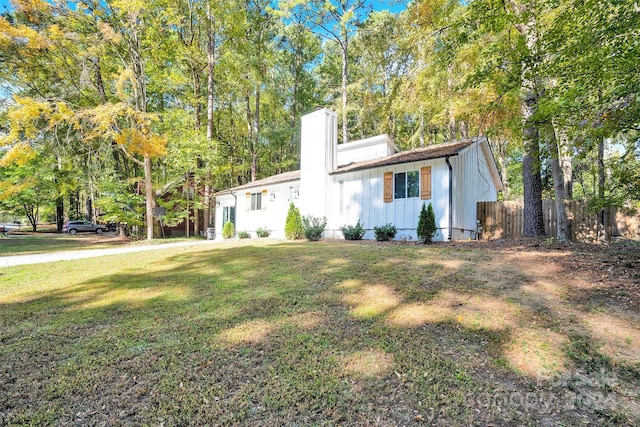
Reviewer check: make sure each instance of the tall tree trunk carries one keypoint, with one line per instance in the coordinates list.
(187, 222)
(602, 229)
(256, 137)
(294, 104)
(211, 58)
(196, 211)
(88, 208)
(59, 213)
(501, 157)
(533, 220)
(562, 224)
(452, 125)
(345, 82)
(565, 161)
(464, 130)
(150, 202)
(207, 200)
(140, 96)
(421, 128)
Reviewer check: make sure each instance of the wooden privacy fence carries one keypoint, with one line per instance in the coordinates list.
(504, 220)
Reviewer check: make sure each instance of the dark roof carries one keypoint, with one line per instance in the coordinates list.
(423, 153)
(275, 179)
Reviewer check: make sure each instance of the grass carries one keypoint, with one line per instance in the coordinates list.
(268, 333)
(24, 243)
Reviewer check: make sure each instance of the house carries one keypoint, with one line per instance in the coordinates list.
(175, 201)
(368, 181)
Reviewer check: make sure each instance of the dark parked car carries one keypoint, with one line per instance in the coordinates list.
(78, 226)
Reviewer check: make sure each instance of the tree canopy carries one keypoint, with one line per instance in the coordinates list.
(107, 103)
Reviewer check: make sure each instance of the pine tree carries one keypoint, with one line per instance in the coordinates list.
(293, 226)
(426, 224)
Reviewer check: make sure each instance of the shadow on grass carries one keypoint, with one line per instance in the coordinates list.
(306, 333)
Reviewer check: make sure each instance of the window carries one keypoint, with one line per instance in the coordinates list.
(406, 184)
(256, 201)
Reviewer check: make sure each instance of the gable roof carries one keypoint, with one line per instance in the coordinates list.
(274, 179)
(417, 154)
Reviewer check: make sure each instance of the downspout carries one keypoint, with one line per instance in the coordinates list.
(235, 211)
(450, 198)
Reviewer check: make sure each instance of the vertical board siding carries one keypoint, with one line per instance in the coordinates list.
(366, 193)
(472, 183)
(504, 220)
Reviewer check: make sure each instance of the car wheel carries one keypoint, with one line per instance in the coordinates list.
(73, 231)
(99, 230)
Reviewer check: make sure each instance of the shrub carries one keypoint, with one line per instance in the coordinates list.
(313, 227)
(228, 230)
(243, 234)
(262, 232)
(386, 232)
(426, 224)
(353, 232)
(293, 226)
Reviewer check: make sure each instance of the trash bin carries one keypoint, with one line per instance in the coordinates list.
(211, 233)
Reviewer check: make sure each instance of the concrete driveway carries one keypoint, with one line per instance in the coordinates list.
(10, 261)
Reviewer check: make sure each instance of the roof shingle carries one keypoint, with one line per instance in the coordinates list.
(274, 179)
(415, 155)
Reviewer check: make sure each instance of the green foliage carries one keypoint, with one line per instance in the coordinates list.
(386, 232)
(426, 224)
(228, 230)
(313, 227)
(263, 232)
(293, 225)
(353, 232)
(119, 204)
(243, 234)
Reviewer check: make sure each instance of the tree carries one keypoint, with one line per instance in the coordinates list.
(335, 20)
(426, 224)
(293, 226)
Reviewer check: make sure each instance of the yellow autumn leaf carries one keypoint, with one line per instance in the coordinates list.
(108, 33)
(8, 189)
(20, 36)
(20, 154)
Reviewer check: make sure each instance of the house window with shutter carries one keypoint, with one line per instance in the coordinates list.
(256, 201)
(406, 185)
(425, 183)
(388, 187)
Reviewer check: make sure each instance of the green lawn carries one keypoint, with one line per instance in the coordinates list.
(326, 333)
(23, 243)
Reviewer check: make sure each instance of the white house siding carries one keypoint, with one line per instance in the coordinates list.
(273, 217)
(317, 157)
(361, 198)
(365, 149)
(472, 183)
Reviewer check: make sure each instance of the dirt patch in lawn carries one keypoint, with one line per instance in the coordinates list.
(524, 332)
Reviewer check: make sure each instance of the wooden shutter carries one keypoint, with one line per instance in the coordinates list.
(425, 183)
(264, 199)
(388, 187)
(248, 204)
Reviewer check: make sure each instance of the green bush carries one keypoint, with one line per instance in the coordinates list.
(228, 230)
(426, 224)
(353, 232)
(293, 226)
(263, 232)
(244, 234)
(386, 232)
(313, 227)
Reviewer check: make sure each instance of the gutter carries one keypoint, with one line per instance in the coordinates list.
(235, 208)
(446, 159)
